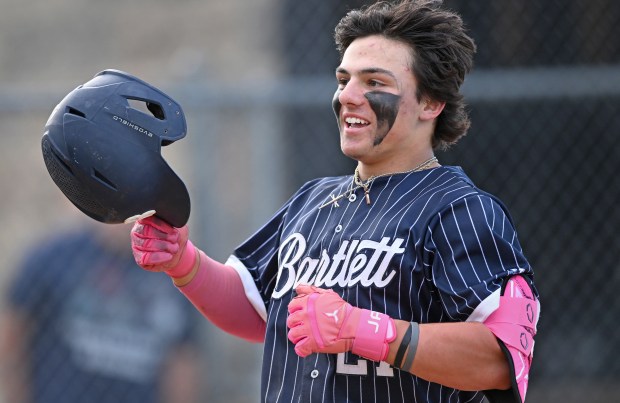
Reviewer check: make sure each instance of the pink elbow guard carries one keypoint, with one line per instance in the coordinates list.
(514, 323)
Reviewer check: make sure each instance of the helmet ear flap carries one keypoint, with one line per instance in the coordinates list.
(99, 145)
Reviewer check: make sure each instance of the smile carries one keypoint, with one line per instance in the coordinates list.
(356, 122)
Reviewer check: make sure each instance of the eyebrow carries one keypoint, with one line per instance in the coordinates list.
(370, 70)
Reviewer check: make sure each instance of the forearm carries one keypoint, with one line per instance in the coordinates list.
(464, 356)
(217, 292)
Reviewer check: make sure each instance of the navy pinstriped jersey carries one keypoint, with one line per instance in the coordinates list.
(429, 248)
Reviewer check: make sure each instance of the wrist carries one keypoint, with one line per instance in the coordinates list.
(186, 263)
(407, 347)
(185, 280)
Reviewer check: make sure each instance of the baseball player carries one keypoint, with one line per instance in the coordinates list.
(402, 282)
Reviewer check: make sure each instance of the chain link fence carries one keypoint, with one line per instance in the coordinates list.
(544, 100)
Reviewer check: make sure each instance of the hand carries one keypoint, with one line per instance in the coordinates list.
(158, 246)
(322, 322)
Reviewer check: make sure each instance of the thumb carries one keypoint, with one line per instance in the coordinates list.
(305, 289)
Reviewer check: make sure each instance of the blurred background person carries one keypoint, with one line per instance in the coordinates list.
(82, 324)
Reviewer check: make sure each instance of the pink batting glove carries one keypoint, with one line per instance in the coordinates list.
(322, 322)
(158, 246)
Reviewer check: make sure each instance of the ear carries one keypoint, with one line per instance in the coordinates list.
(431, 109)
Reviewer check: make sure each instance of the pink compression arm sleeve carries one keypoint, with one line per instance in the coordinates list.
(217, 292)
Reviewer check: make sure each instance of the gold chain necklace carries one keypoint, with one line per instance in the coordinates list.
(357, 181)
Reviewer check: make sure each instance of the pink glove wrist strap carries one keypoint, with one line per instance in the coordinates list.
(185, 264)
(374, 333)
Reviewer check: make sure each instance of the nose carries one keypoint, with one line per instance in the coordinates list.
(351, 94)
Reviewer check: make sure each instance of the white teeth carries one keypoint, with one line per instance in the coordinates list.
(359, 121)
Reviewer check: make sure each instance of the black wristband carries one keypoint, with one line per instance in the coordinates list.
(413, 346)
(404, 343)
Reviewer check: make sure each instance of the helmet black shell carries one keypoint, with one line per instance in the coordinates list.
(104, 152)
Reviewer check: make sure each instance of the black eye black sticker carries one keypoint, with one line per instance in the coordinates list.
(385, 106)
(336, 105)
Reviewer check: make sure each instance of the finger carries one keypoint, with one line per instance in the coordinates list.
(296, 334)
(297, 304)
(304, 289)
(303, 348)
(152, 244)
(295, 319)
(155, 245)
(149, 231)
(158, 223)
(145, 259)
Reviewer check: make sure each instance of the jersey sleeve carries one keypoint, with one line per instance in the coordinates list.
(470, 248)
(256, 260)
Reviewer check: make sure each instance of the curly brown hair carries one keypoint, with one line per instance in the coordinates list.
(442, 53)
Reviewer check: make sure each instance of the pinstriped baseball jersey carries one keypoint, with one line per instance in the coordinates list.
(429, 248)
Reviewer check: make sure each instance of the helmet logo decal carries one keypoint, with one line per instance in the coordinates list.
(132, 125)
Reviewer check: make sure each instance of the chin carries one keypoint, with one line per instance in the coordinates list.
(350, 152)
(353, 149)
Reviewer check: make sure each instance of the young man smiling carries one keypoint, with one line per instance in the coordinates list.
(401, 282)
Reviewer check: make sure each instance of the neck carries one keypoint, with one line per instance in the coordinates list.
(366, 171)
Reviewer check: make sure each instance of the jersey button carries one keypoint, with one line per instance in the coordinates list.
(314, 373)
(338, 228)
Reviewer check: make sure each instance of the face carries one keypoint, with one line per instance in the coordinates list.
(379, 117)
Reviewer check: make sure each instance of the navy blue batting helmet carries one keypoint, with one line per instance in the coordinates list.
(102, 147)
